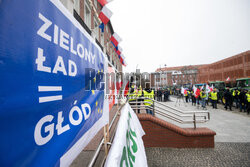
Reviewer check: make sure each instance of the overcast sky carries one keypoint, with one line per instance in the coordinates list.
(180, 32)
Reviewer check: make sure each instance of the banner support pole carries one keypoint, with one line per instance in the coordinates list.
(106, 138)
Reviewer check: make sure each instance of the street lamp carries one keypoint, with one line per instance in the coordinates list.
(162, 72)
(160, 76)
(166, 82)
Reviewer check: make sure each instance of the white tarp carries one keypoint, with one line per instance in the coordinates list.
(127, 148)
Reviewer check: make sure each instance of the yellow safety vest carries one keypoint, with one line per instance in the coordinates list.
(150, 95)
(248, 98)
(234, 93)
(238, 93)
(139, 94)
(132, 96)
(204, 95)
(214, 95)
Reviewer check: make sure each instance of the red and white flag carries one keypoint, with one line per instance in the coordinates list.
(183, 91)
(208, 89)
(105, 15)
(197, 93)
(228, 79)
(122, 56)
(116, 39)
(104, 2)
(118, 50)
(194, 89)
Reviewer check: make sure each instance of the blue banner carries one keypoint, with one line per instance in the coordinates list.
(51, 90)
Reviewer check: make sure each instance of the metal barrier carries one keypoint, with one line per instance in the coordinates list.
(183, 117)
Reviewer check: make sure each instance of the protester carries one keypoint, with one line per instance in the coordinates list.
(237, 100)
(190, 95)
(207, 97)
(242, 100)
(234, 96)
(165, 95)
(139, 99)
(197, 96)
(228, 97)
(132, 96)
(214, 98)
(203, 99)
(159, 95)
(248, 101)
(193, 98)
(186, 96)
(148, 102)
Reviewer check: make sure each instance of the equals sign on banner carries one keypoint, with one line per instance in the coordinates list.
(49, 89)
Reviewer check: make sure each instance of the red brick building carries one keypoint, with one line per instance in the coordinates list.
(234, 67)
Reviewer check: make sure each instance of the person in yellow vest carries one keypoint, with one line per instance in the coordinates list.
(187, 95)
(214, 98)
(248, 101)
(132, 96)
(148, 93)
(237, 100)
(203, 98)
(139, 96)
(233, 94)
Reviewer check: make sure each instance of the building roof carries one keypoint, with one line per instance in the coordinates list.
(179, 67)
(201, 65)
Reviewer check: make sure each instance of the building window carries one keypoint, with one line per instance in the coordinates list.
(111, 57)
(102, 39)
(95, 3)
(77, 6)
(107, 29)
(87, 14)
(110, 48)
(96, 29)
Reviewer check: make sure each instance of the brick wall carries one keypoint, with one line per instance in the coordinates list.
(235, 67)
(160, 133)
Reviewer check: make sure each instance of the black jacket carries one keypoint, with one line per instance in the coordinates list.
(228, 96)
(242, 97)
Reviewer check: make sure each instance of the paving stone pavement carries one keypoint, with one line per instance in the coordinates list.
(223, 155)
(230, 126)
(232, 141)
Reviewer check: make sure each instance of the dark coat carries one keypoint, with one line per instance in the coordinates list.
(228, 96)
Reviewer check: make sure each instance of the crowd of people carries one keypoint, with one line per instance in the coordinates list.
(240, 99)
(138, 96)
(162, 95)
